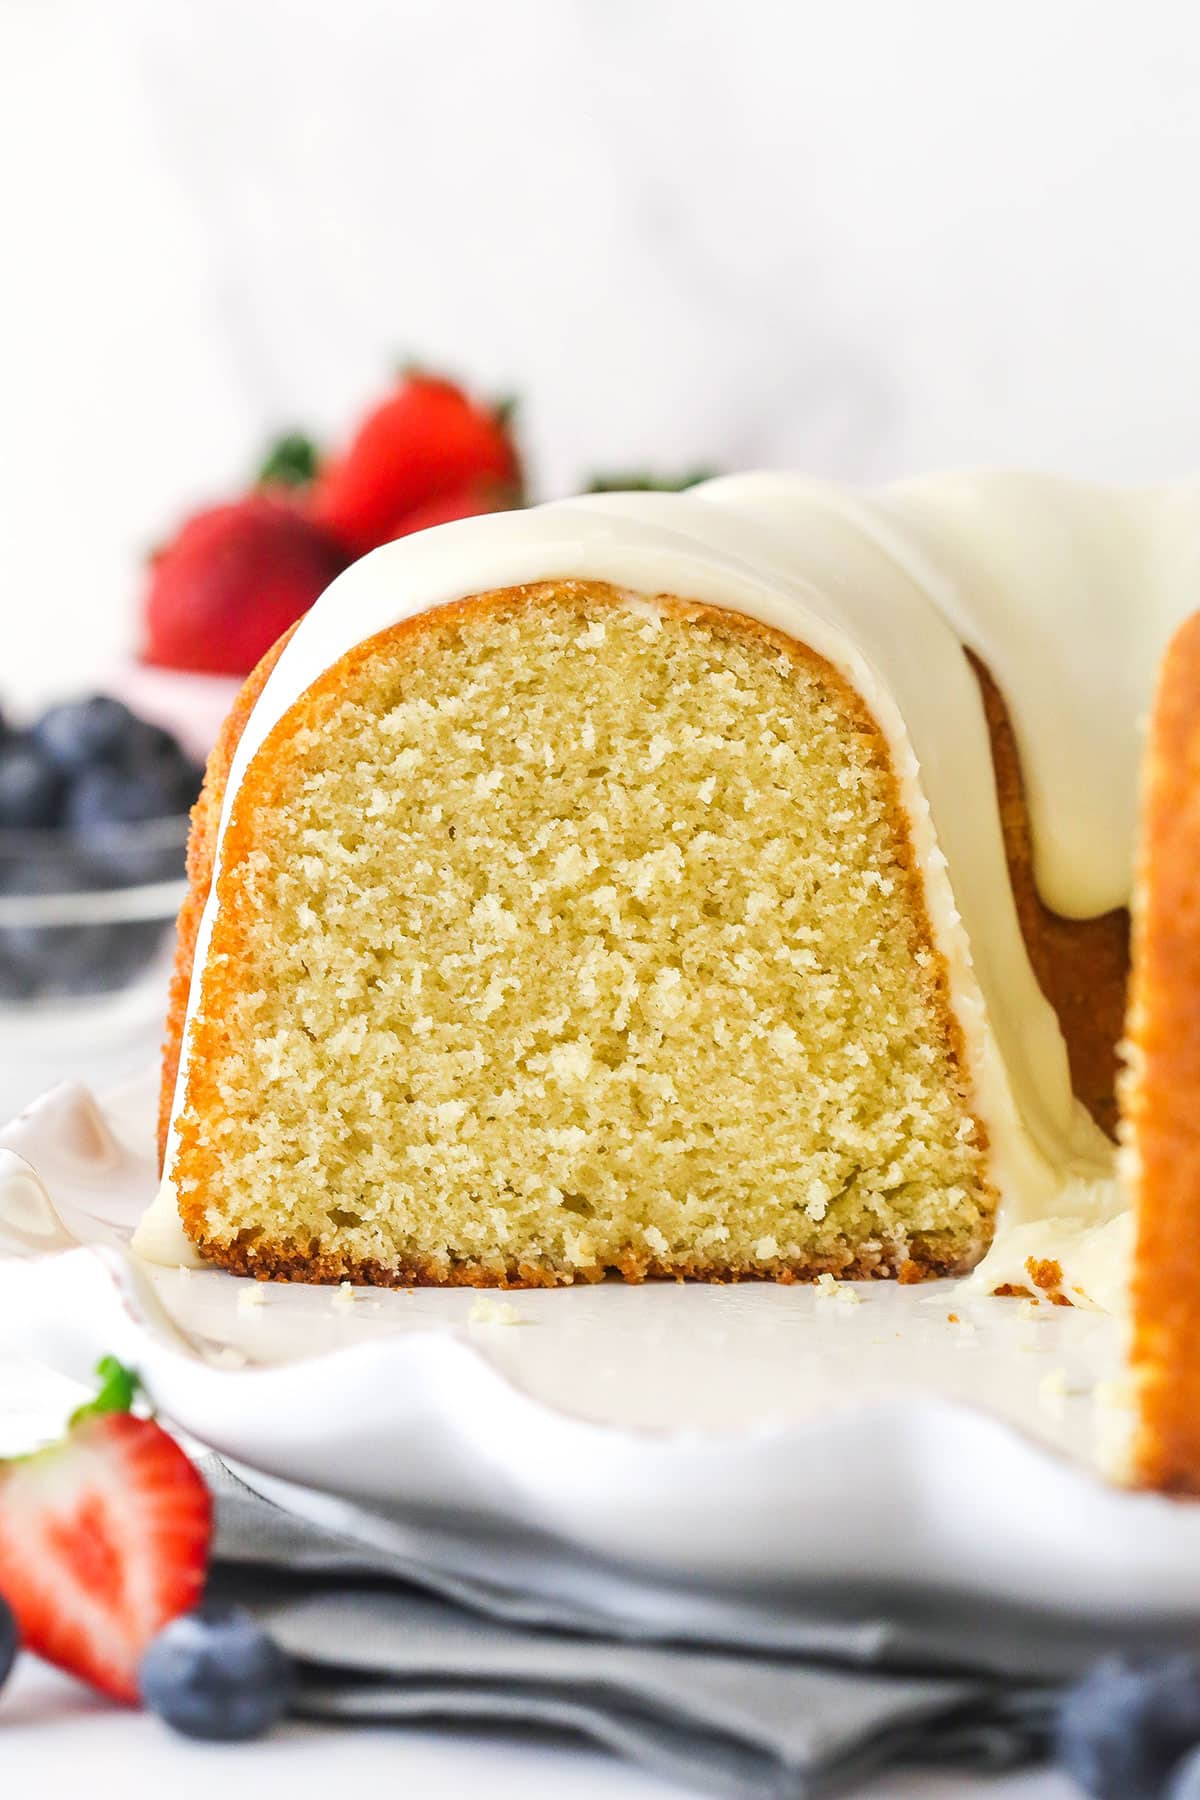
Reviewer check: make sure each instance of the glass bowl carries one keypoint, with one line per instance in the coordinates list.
(88, 913)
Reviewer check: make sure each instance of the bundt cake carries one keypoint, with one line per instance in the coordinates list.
(712, 885)
(1160, 1086)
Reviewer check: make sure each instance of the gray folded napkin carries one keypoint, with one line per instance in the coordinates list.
(835, 1696)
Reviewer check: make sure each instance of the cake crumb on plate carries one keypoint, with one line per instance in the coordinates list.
(488, 1311)
(830, 1289)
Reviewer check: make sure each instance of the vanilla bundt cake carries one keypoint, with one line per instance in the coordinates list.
(709, 885)
(1160, 1086)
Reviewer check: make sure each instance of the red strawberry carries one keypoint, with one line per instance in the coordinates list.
(232, 581)
(459, 503)
(103, 1539)
(426, 442)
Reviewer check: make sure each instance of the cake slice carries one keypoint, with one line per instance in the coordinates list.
(1160, 1090)
(562, 930)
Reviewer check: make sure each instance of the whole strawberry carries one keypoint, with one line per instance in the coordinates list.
(103, 1538)
(428, 453)
(232, 581)
(465, 502)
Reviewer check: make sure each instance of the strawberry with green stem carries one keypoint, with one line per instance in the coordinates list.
(104, 1537)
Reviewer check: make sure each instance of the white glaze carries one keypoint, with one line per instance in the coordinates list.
(1067, 592)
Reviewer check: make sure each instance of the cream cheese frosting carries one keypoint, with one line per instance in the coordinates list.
(1067, 592)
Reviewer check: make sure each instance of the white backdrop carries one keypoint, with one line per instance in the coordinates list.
(856, 237)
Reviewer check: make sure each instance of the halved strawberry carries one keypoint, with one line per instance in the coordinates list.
(103, 1538)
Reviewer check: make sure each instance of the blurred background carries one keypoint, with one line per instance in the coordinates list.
(858, 238)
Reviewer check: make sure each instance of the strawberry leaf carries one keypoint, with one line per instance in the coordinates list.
(411, 368)
(646, 483)
(118, 1386)
(504, 411)
(291, 462)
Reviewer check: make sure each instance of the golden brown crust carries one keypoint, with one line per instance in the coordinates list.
(1161, 1090)
(261, 792)
(1082, 965)
(913, 1262)
(201, 852)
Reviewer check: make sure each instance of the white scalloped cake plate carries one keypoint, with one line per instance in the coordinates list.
(756, 1435)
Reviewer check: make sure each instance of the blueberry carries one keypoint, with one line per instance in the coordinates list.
(1124, 1726)
(189, 779)
(149, 745)
(78, 733)
(106, 796)
(129, 856)
(8, 1640)
(216, 1674)
(30, 787)
(145, 742)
